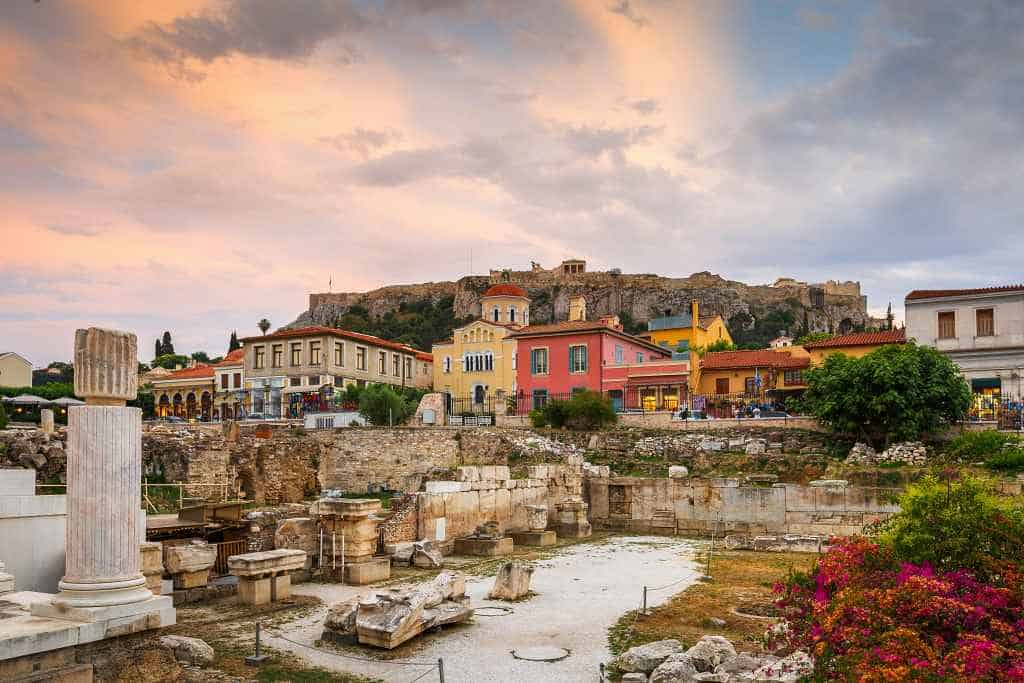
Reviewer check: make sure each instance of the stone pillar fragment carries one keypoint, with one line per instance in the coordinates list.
(6, 580)
(46, 420)
(104, 475)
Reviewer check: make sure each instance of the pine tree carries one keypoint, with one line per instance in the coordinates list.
(158, 351)
(166, 347)
(233, 343)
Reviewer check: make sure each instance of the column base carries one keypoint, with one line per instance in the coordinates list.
(152, 605)
(102, 594)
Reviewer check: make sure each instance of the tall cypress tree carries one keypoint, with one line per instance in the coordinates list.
(233, 343)
(159, 348)
(166, 347)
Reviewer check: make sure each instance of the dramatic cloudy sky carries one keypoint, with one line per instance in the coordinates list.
(195, 165)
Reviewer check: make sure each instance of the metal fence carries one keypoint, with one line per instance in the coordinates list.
(467, 406)
(1006, 413)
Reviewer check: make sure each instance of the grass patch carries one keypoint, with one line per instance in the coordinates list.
(740, 578)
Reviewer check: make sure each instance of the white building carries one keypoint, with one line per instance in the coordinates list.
(981, 330)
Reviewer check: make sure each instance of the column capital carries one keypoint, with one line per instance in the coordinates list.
(106, 366)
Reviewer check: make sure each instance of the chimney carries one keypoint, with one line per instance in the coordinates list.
(695, 312)
(577, 308)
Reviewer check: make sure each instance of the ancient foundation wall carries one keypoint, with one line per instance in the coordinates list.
(663, 420)
(698, 506)
(31, 532)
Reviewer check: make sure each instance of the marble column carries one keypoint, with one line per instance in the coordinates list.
(104, 474)
(46, 420)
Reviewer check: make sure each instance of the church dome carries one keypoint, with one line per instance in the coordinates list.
(506, 289)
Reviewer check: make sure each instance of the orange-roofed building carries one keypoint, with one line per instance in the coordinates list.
(751, 373)
(186, 393)
(294, 371)
(856, 345)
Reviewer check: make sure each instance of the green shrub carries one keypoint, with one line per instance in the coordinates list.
(589, 410)
(381, 405)
(3, 416)
(538, 418)
(955, 525)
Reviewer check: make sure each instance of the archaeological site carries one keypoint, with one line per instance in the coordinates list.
(240, 552)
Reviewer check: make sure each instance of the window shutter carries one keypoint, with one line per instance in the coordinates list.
(586, 360)
(533, 361)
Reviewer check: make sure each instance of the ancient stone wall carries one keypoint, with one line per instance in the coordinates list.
(700, 506)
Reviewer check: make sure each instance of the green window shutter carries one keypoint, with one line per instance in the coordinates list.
(533, 361)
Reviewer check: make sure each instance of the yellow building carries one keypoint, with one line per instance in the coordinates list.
(854, 345)
(479, 361)
(15, 371)
(689, 330)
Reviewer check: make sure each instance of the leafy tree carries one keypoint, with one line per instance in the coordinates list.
(264, 325)
(168, 361)
(761, 325)
(200, 357)
(166, 346)
(584, 411)
(717, 345)
(812, 337)
(233, 343)
(629, 325)
(419, 323)
(957, 525)
(895, 393)
(381, 405)
(48, 391)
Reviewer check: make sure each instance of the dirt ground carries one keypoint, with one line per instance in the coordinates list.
(741, 580)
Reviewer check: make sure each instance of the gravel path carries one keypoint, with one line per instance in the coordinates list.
(580, 592)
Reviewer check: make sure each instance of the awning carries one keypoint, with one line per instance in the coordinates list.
(986, 383)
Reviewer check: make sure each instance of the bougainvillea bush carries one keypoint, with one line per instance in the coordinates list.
(866, 613)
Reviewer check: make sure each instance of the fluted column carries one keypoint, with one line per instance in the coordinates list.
(104, 474)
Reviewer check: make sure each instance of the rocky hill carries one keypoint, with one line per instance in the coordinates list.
(754, 313)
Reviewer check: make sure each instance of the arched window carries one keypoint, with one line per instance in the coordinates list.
(526, 315)
(495, 314)
(488, 361)
(512, 314)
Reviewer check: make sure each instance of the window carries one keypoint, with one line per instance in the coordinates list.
(620, 355)
(539, 362)
(314, 353)
(526, 316)
(296, 358)
(313, 380)
(426, 370)
(985, 318)
(639, 357)
(361, 358)
(382, 363)
(540, 397)
(396, 365)
(408, 367)
(238, 380)
(578, 390)
(339, 354)
(447, 365)
(224, 381)
(495, 314)
(515, 360)
(722, 385)
(750, 385)
(791, 377)
(258, 359)
(295, 381)
(512, 314)
(947, 325)
(578, 358)
(489, 361)
(277, 355)
(339, 381)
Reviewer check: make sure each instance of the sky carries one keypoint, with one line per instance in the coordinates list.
(197, 165)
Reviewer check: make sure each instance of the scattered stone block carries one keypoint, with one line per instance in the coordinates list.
(675, 669)
(191, 651)
(152, 566)
(711, 651)
(341, 620)
(536, 517)
(512, 581)
(367, 572)
(257, 572)
(535, 538)
(678, 472)
(254, 591)
(483, 547)
(572, 519)
(298, 533)
(427, 555)
(6, 580)
(389, 619)
(189, 564)
(756, 447)
(786, 670)
(646, 658)
(634, 677)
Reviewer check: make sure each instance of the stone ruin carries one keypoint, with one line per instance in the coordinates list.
(712, 658)
(537, 533)
(512, 582)
(912, 453)
(388, 619)
(103, 593)
(486, 541)
(350, 527)
(572, 519)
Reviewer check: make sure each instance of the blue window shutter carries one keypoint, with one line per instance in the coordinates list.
(586, 359)
(533, 361)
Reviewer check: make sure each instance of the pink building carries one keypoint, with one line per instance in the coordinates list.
(553, 361)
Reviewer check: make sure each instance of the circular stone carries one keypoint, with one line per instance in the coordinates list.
(541, 653)
(492, 611)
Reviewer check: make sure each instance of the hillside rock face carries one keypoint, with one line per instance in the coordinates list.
(824, 307)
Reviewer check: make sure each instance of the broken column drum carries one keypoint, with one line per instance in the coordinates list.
(104, 475)
(350, 540)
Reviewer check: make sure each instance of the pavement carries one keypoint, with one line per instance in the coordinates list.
(580, 592)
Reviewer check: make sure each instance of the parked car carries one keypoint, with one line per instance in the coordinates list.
(255, 416)
(171, 419)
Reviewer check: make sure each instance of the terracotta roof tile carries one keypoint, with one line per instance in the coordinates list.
(726, 360)
(506, 289)
(861, 339)
(235, 357)
(569, 326)
(942, 293)
(200, 371)
(315, 330)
